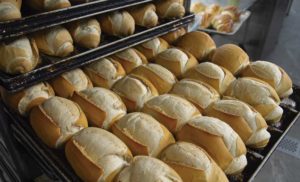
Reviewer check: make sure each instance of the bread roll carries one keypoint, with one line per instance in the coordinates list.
(86, 33)
(134, 91)
(233, 11)
(272, 74)
(197, 92)
(170, 8)
(258, 94)
(97, 155)
(161, 78)
(69, 82)
(10, 10)
(148, 169)
(172, 37)
(144, 15)
(105, 72)
(231, 57)
(218, 139)
(130, 59)
(216, 76)
(176, 60)
(23, 101)
(192, 163)
(213, 9)
(153, 47)
(18, 56)
(199, 44)
(56, 120)
(223, 23)
(55, 41)
(48, 5)
(149, 139)
(101, 106)
(247, 122)
(170, 110)
(209, 14)
(197, 7)
(118, 23)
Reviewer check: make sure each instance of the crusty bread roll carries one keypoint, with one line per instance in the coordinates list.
(233, 11)
(86, 33)
(171, 110)
(201, 49)
(97, 155)
(144, 15)
(147, 169)
(213, 9)
(172, 37)
(10, 9)
(216, 76)
(258, 94)
(48, 5)
(231, 57)
(272, 74)
(176, 60)
(105, 72)
(23, 101)
(55, 41)
(161, 78)
(130, 59)
(134, 91)
(247, 122)
(56, 120)
(153, 47)
(170, 8)
(101, 106)
(222, 23)
(217, 138)
(18, 56)
(209, 14)
(143, 134)
(118, 23)
(197, 92)
(69, 82)
(197, 7)
(192, 163)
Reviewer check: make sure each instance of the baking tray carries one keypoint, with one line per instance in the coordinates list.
(54, 164)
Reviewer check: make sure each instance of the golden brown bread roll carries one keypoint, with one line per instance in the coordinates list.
(197, 7)
(272, 74)
(48, 5)
(101, 106)
(170, 8)
(213, 9)
(218, 139)
(24, 100)
(10, 9)
(172, 37)
(105, 72)
(171, 110)
(18, 56)
(56, 120)
(153, 47)
(144, 15)
(192, 163)
(233, 11)
(97, 155)
(69, 82)
(209, 14)
(222, 23)
(142, 134)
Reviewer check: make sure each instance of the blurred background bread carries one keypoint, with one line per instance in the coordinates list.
(144, 15)
(153, 47)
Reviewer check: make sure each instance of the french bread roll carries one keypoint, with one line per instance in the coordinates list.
(199, 44)
(223, 22)
(197, 92)
(170, 8)
(118, 23)
(18, 56)
(24, 100)
(10, 10)
(197, 7)
(134, 91)
(209, 14)
(217, 138)
(153, 47)
(176, 60)
(172, 37)
(97, 155)
(170, 110)
(130, 59)
(233, 11)
(150, 138)
(272, 74)
(101, 106)
(69, 82)
(56, 120)
(144, 15)
(48, 5)
(55, 41)
(147, 169)
(216, 76)
(161, 78)
(213, 9)
(231, 57)
(192, 163)
(258, 94)
(244, 120)
(105, 72)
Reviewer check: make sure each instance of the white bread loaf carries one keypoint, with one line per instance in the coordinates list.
(170, 8)
(10, 9)
(48, 5)
(172, 37)
(153, 47)
(144, 15)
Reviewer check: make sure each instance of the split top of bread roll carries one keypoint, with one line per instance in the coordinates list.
(142, 134)
(153, 47)
(10, 10)
(97, 155)
(171, 110)
(172, 37)
(170, 8)
(192, 163)
(145, 15)
(272, 74)
(48, 5)
(148, 169)
(222, 22)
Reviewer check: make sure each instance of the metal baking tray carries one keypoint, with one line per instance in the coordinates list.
(54, 164)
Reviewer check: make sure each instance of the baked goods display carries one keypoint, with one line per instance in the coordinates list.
(153, 47)
(10, 10)
(172, 37)
(144, 15)
(48, 5)
(170, 8)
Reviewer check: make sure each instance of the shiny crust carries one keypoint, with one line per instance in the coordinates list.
(149, 53)
(170, 8)
(145, 15)
(172, 37)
